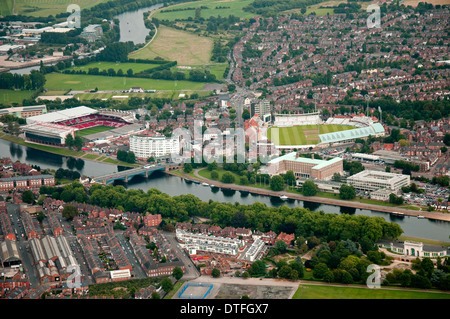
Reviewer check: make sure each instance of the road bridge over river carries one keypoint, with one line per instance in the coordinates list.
(126, 175)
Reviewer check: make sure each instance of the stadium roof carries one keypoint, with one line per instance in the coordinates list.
(49, 129)
(318, 164)
(374, 129)
(62, 115)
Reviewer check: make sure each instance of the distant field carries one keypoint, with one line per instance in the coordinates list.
(224, 9)
(94, 130)
(176, 45)
(6, 7)
(302, 134)
(81, 82)
(43, 8)
(330, 292)
(136, 67)
(170, 94)
(8, 97)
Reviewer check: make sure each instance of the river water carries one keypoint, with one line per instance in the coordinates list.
(173, 186)
(132, 27)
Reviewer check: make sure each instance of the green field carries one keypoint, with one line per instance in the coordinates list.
(233, 7)
(93, 130)
(174, 95)
(136, 67)
(302, 134)
(82, 82)
(330, 292)
(8, 97)
(44, 8)
(176, 45)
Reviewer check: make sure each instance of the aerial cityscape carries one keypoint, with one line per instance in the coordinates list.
(224, 150)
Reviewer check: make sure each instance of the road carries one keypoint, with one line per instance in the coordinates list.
(191, 271)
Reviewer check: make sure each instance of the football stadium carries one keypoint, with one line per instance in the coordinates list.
(52, 128)
(291, 131)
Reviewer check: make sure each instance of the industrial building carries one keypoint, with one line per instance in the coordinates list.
(9, 254)
(371, 181)
(305, 167)
(25, 111)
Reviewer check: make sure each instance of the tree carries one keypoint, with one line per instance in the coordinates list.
(309, 188)
(227, 178)
(177, 273)
(320, 270)
(28, 197)
(69, 141)
(69, 211)
(347, 192)
(166, 284)
(281, 246)
(245, 114)
(78, 142)
(289, 178)
(447, 139)
(214, 175)
(215, 273)
(187, 168)
(277, 183)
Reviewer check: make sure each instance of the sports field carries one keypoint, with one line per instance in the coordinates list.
(214, 8)
(302, 134)
(82, 82)
(136, 67)
(176, 45)
(331, 292)
(93, 130)
(44, 8)
(8, 97)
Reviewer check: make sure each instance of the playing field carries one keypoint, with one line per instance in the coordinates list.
(302, 134)
(93, 130)
(44, 8)
(136, 67)
(176, 45)
(82, 82)
(214, 8)
(8, 97)
(330, 292)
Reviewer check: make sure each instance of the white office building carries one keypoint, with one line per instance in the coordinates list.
(371, 181)
(156, 146)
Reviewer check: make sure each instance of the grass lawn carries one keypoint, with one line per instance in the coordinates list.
(207, 174)
(176, 287)
(8, 97)
(330, 292)
(215, 8)
(93, 130)
(174, 95)
(176, 45)
(90, 156)
(82, 82)
(6, 7)
(44, 8)
(302, 134)
(136, 67)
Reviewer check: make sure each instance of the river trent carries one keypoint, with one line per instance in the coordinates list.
(172, 185)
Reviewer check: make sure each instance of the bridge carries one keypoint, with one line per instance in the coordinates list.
(126, 175)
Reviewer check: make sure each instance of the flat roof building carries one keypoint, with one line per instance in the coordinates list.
(370, 181)
(25, 111)
(305, 167)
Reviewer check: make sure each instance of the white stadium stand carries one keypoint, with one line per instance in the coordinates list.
(285, 120)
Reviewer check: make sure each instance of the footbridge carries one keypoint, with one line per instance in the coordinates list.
(126, 175)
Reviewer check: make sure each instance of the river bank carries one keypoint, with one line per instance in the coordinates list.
(99, 158)
(316, 199)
